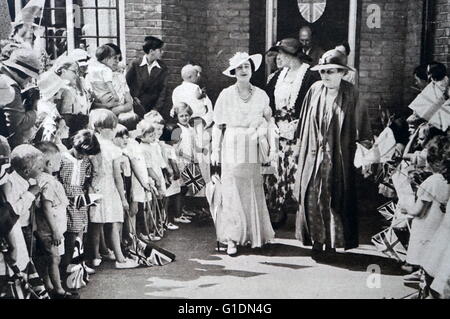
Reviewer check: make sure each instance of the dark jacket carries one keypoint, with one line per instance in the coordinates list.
(309, 79)
(151, 90)
(315, 54)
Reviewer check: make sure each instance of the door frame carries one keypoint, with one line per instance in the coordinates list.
(271, 26)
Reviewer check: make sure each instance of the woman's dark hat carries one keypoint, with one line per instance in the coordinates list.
(291, 46)
(332, 59)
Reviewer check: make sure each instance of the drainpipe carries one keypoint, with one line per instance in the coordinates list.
(428, 26)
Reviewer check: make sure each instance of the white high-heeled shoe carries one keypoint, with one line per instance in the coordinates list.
(231, 249)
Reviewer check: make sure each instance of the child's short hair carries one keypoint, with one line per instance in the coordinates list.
(85, 142)
(129, 120)
(438, 154)
(102, 119)
(121, 131)
(47, 147)
(187, 71)
(104, 52)
(24, 156)
(155, 117)
(180, 108)
(145, 127)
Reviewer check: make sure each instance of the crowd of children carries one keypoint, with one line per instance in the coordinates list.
(420, 181)
(93, 172)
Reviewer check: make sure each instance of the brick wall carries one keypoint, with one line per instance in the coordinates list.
(442, 32)
(142, 18)
(228, 29)
(412, 46)
(382, 57)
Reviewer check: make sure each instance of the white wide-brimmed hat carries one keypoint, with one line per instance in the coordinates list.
(7, 92)
(241, 57)
(26, 61)
(49, 84)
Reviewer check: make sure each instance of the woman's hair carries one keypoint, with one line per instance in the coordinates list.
(85, 142)
(24, 156)
(152, 43)
(102, 119)
(180, 108)
(438, 154)
(116, 50)
(47, 147)
(430, 132)
(121, 131)
(145, 127)
(66, 66)
(437, 71)
(252, 66)
(346, 45)
(421, 72)
(104, 52)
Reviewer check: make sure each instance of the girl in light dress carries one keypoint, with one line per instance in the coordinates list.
(149, 133)
(428, 210)
(186, 152)
(436, 262)
(107, 182)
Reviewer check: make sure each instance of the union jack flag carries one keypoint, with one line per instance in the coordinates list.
(388, 243)
(388, 210)
(312, 10)
(193, 179)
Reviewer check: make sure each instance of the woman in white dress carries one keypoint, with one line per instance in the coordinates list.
(242, 117)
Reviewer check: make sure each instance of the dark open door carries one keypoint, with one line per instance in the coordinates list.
(329, 30)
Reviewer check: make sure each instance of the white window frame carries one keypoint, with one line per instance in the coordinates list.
(71, 33)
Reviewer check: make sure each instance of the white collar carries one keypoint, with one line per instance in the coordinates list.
(145, 62)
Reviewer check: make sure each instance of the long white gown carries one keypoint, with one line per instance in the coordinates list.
(245, 218)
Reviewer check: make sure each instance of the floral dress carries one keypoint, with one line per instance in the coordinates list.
(279, 186)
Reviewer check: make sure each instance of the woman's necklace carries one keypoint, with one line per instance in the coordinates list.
(247, 98)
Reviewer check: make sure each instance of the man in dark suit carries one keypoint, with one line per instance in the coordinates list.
(309, 47)
(147, 78)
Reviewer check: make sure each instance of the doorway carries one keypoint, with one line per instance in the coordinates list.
(338, 23)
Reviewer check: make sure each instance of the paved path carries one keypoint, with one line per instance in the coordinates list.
(283, 270)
